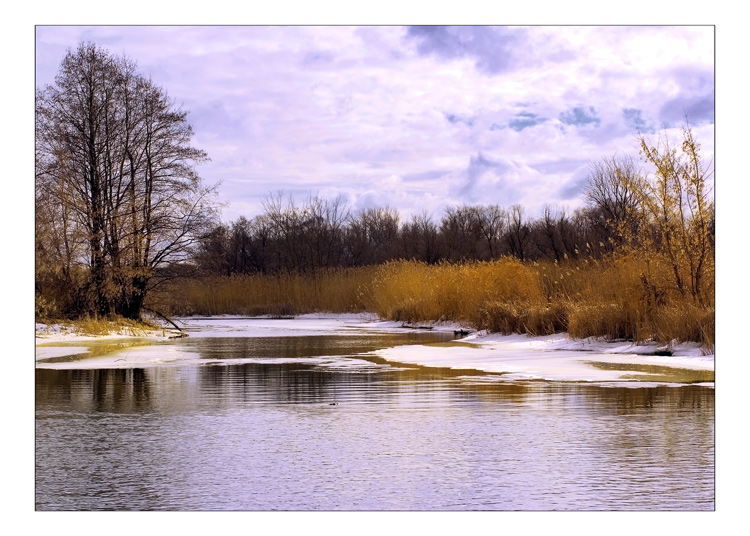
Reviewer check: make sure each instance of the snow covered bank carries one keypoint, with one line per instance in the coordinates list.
(554, 359)
(512, 357)
(56, 340)
(558, 358)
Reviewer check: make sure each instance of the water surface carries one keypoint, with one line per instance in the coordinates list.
(271, 423)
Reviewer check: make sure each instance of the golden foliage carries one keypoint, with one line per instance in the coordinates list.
(115, 325)
(677, 214)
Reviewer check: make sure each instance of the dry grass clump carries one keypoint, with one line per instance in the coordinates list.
(508, 318)
(110, 326)
(632, 298)
(612, 321)
(686, 323)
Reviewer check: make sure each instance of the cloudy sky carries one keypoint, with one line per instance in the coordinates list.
(415, 118)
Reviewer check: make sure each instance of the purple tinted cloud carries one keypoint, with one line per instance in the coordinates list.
(525, 120)
(699, 109)
(494, 49)
(634, 118)
(475, 188)
(417, 118)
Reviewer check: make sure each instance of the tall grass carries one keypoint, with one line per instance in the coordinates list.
(626, 297)
(618, 298)
(334, 290)
(116, 325)
(413, 291)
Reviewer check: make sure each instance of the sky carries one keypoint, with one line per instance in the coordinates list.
(414, 118)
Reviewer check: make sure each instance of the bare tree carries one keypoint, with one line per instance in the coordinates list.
(115, 152)
(309, 236)
(461, 233)
(490, 222)
(420, 239)
(372, 236)
(517, 232)
(611, 192)
(322, 236)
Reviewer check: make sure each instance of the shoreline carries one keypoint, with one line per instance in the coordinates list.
(551, 357)
(48, 335)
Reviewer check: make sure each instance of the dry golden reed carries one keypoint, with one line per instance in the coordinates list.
(413, 291)
(90, 325)
(618, 298)
(333, 290)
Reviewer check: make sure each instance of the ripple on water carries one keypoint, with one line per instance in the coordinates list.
(265, 437)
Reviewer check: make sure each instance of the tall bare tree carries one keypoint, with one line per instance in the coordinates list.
(115, 153)
(517, 232)
(372, 236)
(420, 239)
(490, 222)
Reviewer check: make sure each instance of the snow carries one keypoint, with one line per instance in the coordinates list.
(298, 326)
(502, 357)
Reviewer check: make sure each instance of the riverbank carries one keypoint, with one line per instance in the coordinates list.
(217, 324)
(514, 357)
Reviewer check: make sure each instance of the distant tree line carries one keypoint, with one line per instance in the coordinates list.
(321, 233)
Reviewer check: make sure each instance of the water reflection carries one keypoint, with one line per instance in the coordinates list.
(309, 424)
(263, 436)
(134, 390)
(116, 390)
(648, 372)
(306, 346)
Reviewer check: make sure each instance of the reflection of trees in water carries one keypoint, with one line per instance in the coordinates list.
(106, 390)
(287, 382)
(120, 390)
(500, 391)
(669, 430)
(636, 400)
(221, 385)
(306, 346)
(587, 397)
(298, 382)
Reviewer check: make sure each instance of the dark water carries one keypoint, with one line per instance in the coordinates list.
(303, 436)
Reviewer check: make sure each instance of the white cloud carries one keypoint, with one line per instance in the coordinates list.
(365, 111)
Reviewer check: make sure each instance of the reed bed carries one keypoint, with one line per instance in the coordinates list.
(618, 298)
(412, 291)
(333, 290)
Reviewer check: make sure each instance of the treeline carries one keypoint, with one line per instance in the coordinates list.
(663, 216)
(321, 233)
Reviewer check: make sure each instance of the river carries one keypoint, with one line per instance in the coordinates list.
(308, 419)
